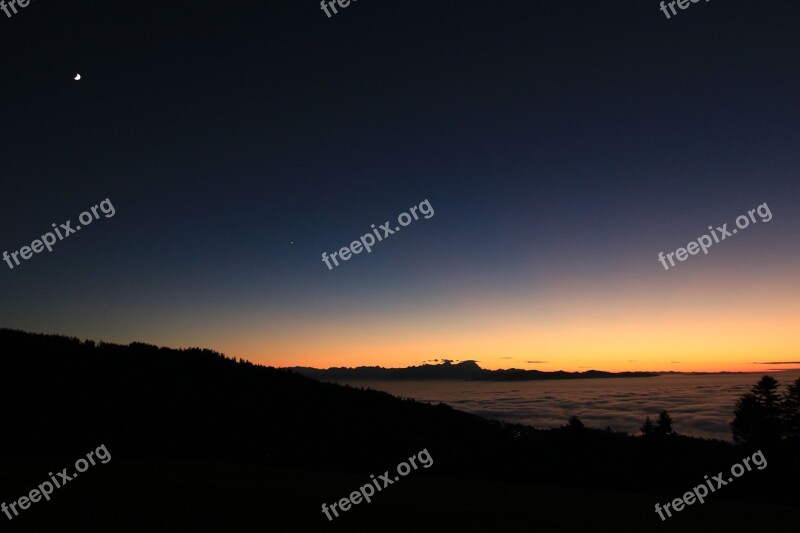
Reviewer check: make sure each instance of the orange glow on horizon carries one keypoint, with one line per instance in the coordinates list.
(708, 326)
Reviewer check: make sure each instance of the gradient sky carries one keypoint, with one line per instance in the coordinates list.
(562, 145)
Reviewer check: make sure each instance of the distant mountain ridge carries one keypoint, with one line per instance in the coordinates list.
(463, 371)
(226, 436)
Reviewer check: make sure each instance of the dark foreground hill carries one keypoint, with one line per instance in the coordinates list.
(201, 442)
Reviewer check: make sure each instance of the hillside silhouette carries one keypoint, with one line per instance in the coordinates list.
(177, 418)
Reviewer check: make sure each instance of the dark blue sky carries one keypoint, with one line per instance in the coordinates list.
(561, 144)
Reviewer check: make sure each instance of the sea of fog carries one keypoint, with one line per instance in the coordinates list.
(700, 405)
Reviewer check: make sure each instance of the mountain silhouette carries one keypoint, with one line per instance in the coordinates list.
(205, 442)
(465, 370)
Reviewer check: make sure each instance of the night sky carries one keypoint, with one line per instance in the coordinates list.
(562, 146)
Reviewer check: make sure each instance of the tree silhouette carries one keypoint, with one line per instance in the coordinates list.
(766, 391)
(662, 428)
(791, 411)
(758, 414)
(748, 419)
(574, 424)
(664, 424)
(647, 428)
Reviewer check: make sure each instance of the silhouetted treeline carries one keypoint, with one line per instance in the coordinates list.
(763, 416)
(62, 396)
